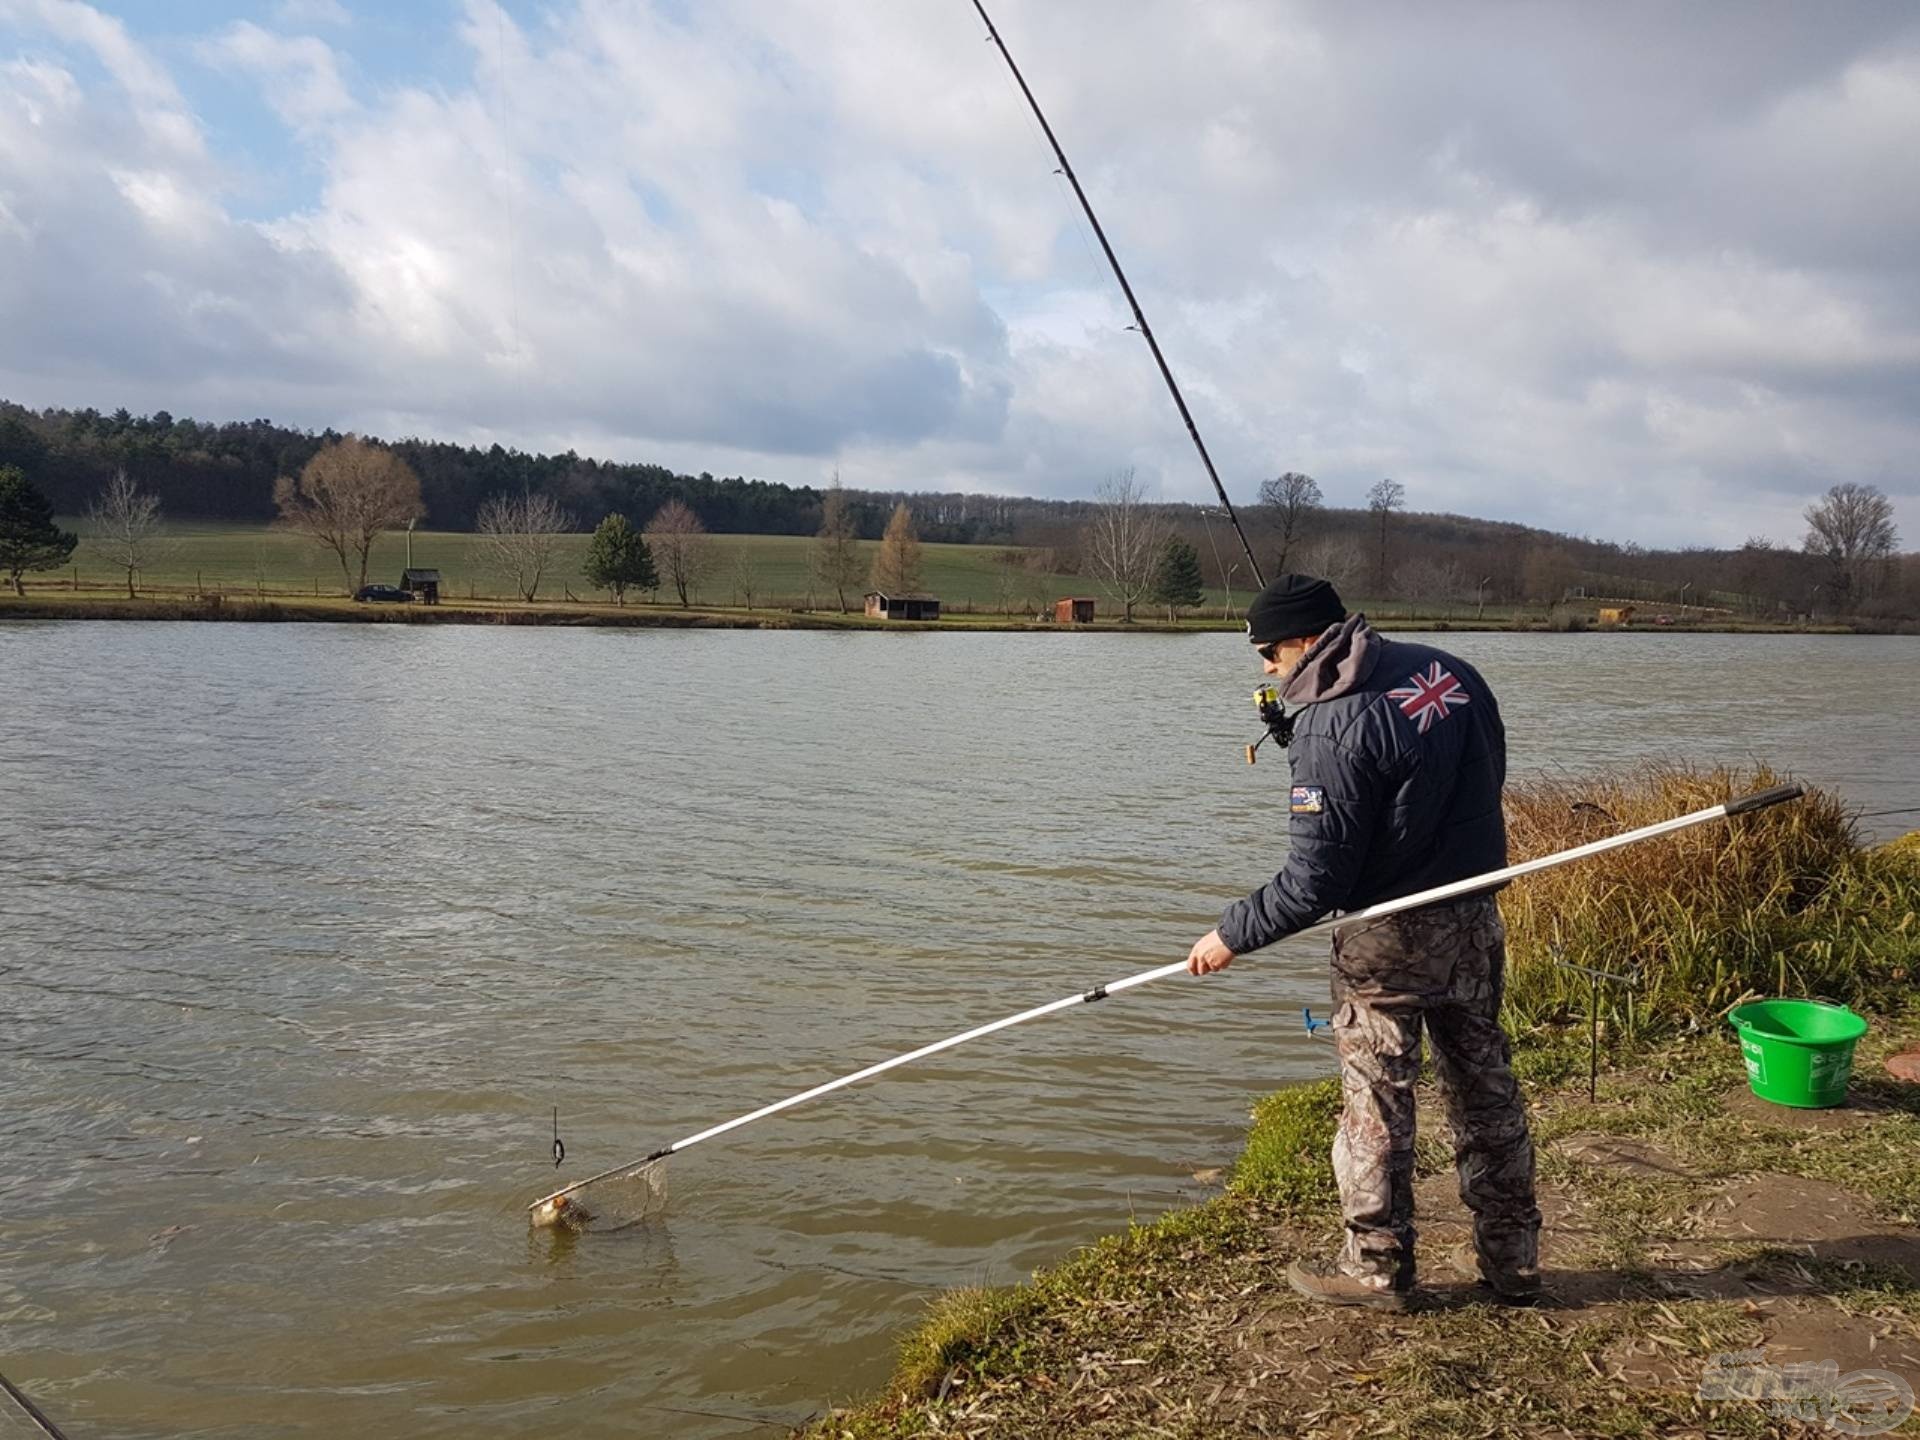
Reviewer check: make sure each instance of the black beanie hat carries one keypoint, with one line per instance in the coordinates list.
(1292, 606)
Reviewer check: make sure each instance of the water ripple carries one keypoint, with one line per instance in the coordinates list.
(310, 929)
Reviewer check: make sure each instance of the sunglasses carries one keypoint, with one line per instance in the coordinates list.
(1269, 652)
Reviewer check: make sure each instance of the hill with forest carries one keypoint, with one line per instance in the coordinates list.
(225, 471)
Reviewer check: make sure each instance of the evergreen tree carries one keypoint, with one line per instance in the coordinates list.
(29, 540)
(1176, 581)
(617, 557)
(896, 569)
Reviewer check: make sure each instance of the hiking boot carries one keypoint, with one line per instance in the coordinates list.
(1325, 1281)
(1512, 1287)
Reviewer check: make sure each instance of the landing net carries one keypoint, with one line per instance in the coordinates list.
(610, 1202)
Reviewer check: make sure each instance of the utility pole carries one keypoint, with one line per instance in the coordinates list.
(409, 544)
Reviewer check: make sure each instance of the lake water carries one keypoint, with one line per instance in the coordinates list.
(308, 929)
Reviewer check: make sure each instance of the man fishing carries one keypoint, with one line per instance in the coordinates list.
(1398, 759)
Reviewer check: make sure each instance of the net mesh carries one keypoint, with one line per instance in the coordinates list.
(614, 1203)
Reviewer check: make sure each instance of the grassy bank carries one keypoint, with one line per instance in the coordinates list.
(242, 563)
(50, 604)
(1685, 1219)
(60, 601)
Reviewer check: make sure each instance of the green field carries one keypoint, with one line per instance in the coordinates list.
(244, 560)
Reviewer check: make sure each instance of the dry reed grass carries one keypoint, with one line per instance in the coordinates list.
(1781, 902)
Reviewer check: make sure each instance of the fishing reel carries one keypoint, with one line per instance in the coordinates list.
(1274, 716)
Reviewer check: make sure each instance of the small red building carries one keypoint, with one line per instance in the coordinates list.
(1075, 611)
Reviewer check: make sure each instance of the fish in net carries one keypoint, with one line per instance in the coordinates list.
(607, 1202)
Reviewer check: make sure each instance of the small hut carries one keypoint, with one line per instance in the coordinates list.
(424, 583)
(1616, 615)
(1075, 611)
(882, 606)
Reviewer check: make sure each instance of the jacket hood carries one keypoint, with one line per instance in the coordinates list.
(1340, 661)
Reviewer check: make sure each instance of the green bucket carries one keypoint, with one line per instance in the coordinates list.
(1798, 1052)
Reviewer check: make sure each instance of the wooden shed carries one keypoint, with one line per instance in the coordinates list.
(1616, 615)
(1075, 611)
(881, 606)
(424, 583)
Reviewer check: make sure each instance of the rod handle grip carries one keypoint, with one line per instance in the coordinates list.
(1761, 799)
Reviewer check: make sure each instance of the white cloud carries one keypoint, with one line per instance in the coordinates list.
(298, 74)
(1521, 259)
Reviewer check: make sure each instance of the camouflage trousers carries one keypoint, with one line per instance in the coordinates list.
(1441, 967)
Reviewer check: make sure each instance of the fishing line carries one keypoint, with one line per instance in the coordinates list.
(506, 166)
(1876, 814)
(1091, 274)
(1081, 233)
(1139, 316)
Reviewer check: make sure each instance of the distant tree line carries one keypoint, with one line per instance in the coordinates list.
(228, 471)
(123, 470)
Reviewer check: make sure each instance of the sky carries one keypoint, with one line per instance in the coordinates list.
(1638, 271)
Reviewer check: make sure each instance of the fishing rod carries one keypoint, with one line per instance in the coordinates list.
(32, 1411)
(1139, 317)
(1743, 805)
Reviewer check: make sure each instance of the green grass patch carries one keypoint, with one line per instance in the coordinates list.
(261, 559)
(1284, 1163)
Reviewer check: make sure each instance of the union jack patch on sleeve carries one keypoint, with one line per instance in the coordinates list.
(1309, 800)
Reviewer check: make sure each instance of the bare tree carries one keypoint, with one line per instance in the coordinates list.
(1430, 584)
(1852, 530)
(682, 549)
(1383, 499)
(1123, 541)
(347, 495)
(1547, 572)
(896, 566)
(746, 571)
(520, 535)
(835, 561)
(1751, 563)
(1339, 559)
(1290, 499)
(1009, 576)
(126, 527)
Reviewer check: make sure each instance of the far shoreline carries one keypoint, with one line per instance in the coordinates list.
(340, 610)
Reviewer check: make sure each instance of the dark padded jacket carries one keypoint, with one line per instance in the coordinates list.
(1398, 760)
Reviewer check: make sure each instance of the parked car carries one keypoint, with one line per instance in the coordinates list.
(393, 594)
(1663, 619)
